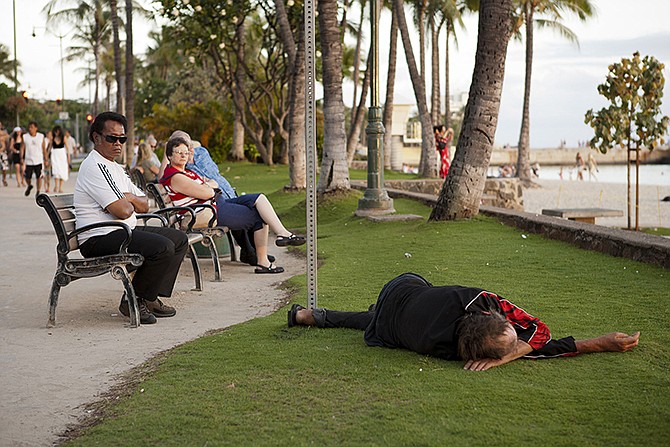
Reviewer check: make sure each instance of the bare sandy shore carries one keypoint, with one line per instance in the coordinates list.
(47, 375)
(653, 212)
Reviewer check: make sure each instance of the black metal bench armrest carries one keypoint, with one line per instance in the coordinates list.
(212, 221)
(178, 212)
(149, 216)
(111, 223)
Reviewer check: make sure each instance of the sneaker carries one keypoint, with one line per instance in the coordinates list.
(146, 317)
(160, 310)
(28, 189)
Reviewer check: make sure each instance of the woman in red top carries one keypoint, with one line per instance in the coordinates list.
(247, 212)
(443, 137)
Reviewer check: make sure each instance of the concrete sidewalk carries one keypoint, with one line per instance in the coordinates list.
(47, 375)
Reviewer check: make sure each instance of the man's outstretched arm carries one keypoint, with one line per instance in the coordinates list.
(613, 342)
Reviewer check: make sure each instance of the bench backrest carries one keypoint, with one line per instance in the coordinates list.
(138, 179)
(160, 194)
(60, 209)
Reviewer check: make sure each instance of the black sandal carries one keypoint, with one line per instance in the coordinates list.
(293, 313)
(294, 240)
(270, 269)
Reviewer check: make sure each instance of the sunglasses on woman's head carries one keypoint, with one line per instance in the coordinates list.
(113, 139)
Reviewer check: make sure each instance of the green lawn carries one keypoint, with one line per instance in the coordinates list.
(259, 383)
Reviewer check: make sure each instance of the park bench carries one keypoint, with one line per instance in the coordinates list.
(138, 179)
(186, 221)
(587, 215)
(60, 209)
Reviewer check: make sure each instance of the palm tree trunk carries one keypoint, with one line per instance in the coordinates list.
(118, 75)
(387, 118)
(239, 85)
(296, 116)
(423, 4)
(357, 118)
(428, 162)
(435, 73)
(334, 168)
(462, 190)
(447, 100)
(357, 57)
(130, 82)
(523, 157)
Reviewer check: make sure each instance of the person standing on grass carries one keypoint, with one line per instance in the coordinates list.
(34, 157)
(104, 192)
(456, 323)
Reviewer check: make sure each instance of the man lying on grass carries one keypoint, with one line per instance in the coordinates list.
(454, 322)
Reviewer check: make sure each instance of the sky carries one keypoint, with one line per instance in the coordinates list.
(564, 83)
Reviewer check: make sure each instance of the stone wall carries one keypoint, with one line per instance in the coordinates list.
(503, 193)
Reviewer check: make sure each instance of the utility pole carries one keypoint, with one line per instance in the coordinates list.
(16, 63)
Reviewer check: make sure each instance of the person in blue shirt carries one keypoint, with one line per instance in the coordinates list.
(206, 167)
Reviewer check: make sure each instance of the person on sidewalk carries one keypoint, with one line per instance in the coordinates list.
(104, 192)
(248, 212)
(455, 322)
(34, 157)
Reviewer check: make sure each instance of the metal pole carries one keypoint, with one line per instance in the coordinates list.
(16, 63)
(62, 76)
(310, 148)
(375, 200)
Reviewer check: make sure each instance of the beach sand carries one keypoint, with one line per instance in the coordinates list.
(653, 212)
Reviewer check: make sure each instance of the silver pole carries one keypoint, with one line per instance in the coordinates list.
(16, 63)
(310, 148)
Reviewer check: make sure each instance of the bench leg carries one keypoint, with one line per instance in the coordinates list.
(196, 268)
(53, 302)
(214, 252)
(231, 243)
(119, 272)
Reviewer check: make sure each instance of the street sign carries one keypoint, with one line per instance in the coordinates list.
(63, 116)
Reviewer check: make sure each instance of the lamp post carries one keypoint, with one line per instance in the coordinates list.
(62, 70)
(16, 62)
(375, 200)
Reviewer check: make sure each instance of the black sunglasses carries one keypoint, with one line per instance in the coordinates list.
(113, 139)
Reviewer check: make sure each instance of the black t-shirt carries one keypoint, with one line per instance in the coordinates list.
(412, 314)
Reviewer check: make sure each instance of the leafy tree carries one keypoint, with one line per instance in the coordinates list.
(6, 64)
(634, 88)
(462, 190)
(550, 12)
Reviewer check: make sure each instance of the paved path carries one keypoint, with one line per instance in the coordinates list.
(47, 375)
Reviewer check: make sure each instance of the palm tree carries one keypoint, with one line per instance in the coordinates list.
(296, 62)
(118, 75)
(6, 64)
(387, 117)
(334, 168)
(552, 12)
(130, 82)
(462, 190)
(91, 20)
(428, 162)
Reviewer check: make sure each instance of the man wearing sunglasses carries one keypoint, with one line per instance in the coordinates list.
(104, 192)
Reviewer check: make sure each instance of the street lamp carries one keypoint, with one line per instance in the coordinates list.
(375, 200)
(16, 63)
(62, 71)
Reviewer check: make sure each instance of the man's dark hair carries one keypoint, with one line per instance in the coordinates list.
(478, 336)
(174, 142)
(33, 122)
(102, 118)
